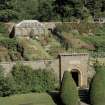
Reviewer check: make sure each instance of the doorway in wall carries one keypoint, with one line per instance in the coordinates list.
(75, 76)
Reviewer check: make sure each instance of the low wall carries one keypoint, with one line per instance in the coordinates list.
(54, 64)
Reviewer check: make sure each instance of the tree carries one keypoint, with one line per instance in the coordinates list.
(6, 10)
(69, 8)
(95, 7)
(45, 10)
(69, 93)
(97, 90)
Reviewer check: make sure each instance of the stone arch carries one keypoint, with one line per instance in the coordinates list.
(75, 62)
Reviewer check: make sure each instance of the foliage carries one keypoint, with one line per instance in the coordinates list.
(45, 10)
(69, 93)
(97, 41)
(6, 84)
(96, 7)
(28, 80)
(49, 10)
(69, 8)
(97, 91)
(7, 15)
(10, 44)
(22, 76)
(2, 29)
(44, 80)
(63, 27)
(100, 31)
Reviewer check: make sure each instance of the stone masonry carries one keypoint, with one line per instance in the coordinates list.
(74, 63)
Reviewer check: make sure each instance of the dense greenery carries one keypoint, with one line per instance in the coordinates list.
(29, 80)
(47, 10)
(23, 79)
(97, 91)
(2, 28)
(6, 84)
(69, 93)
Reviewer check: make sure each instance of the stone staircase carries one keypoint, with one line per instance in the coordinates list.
(84, 95)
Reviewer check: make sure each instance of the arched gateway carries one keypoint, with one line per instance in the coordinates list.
(76, 76)
(77, 64)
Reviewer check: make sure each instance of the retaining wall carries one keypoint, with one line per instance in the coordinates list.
(54, 64)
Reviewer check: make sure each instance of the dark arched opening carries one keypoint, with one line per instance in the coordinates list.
(76, 76)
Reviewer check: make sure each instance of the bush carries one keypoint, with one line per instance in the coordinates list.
(43, 80)
(69, 93)
(6, 84)
(63, 27)
(3, 28)
(29, 80)
(10, 44)
(100, 31)
(97, 90)
(7, 15)
(23, 77)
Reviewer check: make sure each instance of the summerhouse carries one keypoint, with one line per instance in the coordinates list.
(27, 28)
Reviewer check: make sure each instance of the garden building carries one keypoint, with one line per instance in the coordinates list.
(29, 28)
(77, 65)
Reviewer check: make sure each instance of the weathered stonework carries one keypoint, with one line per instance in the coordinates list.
(26, 28)
(76, 63)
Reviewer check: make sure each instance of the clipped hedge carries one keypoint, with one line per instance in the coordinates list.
(69, 93)
(97, 90)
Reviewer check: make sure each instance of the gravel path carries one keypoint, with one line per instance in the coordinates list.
(82, 103)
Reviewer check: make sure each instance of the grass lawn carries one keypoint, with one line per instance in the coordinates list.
(28, 99)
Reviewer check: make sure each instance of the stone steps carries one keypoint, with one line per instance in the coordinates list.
(84, 95)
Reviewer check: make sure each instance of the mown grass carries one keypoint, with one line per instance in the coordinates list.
(28, 99)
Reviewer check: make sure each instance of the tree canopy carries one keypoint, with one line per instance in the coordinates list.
(49, 10)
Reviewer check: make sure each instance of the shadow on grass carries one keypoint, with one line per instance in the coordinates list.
(56, 97)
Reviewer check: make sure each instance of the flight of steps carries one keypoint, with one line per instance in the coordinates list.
(84, 95)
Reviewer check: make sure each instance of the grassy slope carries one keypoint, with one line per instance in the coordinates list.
(78, 35)
(28, 99)
(33, 49)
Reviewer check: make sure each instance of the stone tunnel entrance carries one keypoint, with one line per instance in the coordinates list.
(77, 65)
(76, 76)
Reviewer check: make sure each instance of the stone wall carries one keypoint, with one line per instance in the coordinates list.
(66, 62)
(76, 62)
(54, 64)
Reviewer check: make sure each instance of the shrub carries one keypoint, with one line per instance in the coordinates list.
(97, 90)
(63, 27)
(43, 80)
(29, 80)
(100, 31)
(69, 93)
(3, 28)
(6, 84)
(10, 44)
(22, 76)
(7, 15)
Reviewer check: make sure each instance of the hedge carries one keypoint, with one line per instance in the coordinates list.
(69, 93)
(97, 90)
